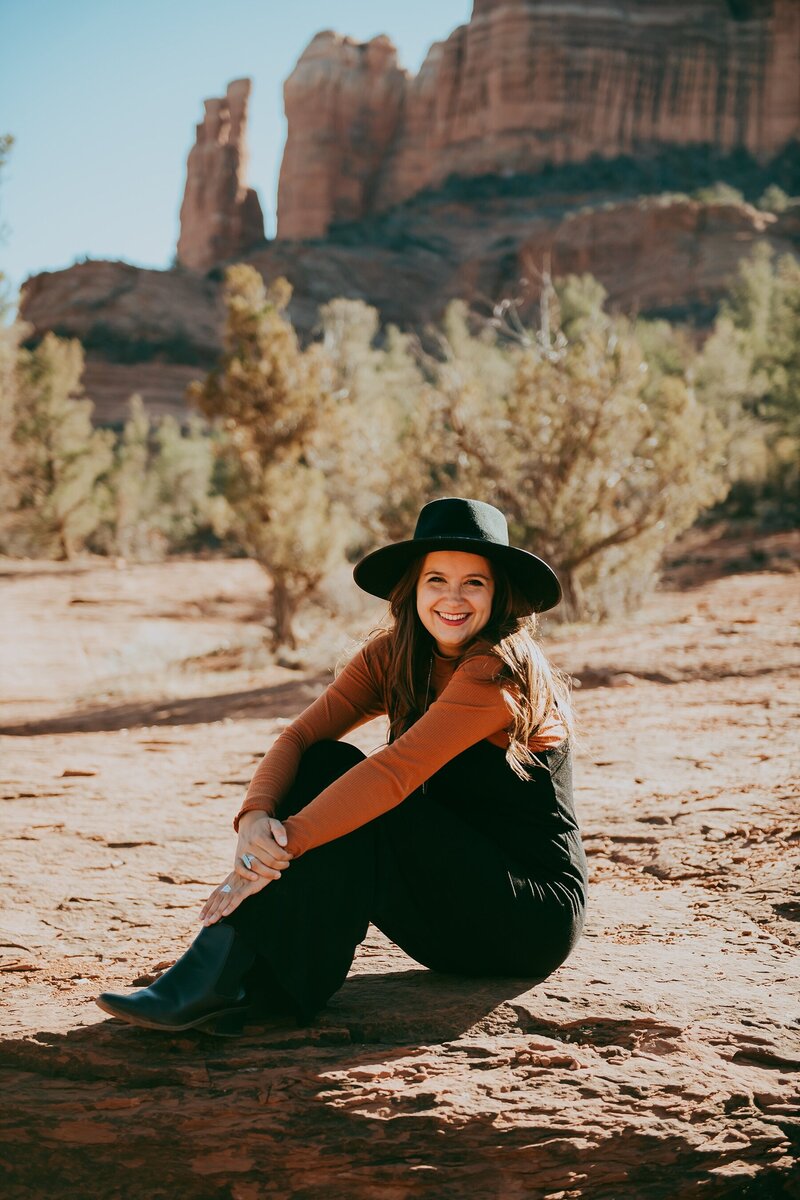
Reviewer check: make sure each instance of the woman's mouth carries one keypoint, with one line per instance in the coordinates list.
(453, 618)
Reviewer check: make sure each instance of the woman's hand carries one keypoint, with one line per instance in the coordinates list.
(222, 902)
(262, 839)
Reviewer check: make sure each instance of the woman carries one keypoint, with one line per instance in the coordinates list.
(458, 839)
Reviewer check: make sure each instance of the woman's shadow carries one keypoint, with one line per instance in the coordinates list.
(419, 1006)
(383, 1091)
(283, 1092)
(405, 1008)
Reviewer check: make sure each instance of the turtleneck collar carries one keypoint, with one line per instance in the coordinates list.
(456, 658)
(445, 658)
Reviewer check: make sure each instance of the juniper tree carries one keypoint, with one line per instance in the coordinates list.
(157, 494)
(378, 455)
(55, 456)
(749, 374)
(596, 465)
(268, 398)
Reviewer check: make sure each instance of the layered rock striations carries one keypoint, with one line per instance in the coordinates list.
(530, 83)
(522, 106)
(220, 215)
(143, 331)
(152, 331)
(344, 103)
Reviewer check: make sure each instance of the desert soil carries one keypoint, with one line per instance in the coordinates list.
(661, 1058)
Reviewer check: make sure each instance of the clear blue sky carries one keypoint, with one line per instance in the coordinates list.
(102, 97)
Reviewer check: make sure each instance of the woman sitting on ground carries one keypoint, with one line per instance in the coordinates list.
(458, 838)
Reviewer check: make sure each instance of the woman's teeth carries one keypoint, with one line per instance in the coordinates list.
(453, 620)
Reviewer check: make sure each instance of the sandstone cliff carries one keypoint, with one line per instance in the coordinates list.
(344, 102)
(152, 331)
(539, 130)
(529, 83)
(143, 331)
(220, 215)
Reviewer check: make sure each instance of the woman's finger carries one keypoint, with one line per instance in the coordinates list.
(233, 904)
(208, 902)
(217, 897)
(242, 870)
(258, 870)
(236, 898)
(221, 902)
(268, 851)
(268, 871)
(269, 836)
(278, 831)
(210, 907)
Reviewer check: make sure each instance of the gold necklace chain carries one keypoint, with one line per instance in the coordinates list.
(425, 709)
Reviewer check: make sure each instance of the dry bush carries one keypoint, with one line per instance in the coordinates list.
(157, 495)
(378, 457)
(597, 463)
(268, 399)
(749, 374)
(52, 457)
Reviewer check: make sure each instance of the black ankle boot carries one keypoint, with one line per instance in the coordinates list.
(205, 983)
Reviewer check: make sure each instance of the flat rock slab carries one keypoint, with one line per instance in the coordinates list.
(661, 1059)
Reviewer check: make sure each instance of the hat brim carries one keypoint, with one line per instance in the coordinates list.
(378, 573)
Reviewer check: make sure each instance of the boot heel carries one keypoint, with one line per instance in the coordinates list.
(225, 1024)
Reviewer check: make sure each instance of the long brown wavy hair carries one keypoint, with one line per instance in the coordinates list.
(534, 689)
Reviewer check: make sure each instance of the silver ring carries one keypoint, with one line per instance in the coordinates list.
(247, 860)
(226, 888)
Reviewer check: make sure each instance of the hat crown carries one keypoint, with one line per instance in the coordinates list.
(456, 523)
(455, 517)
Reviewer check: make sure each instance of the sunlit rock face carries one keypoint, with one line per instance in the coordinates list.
(220, 215)
(558, 126)
(152, 331)
(344, 102)
(529, 83)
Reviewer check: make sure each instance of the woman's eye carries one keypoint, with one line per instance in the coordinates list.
(439, 579)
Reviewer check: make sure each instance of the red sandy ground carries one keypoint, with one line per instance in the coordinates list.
(662, 1057)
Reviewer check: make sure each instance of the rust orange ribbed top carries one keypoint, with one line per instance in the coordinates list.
(467, 706)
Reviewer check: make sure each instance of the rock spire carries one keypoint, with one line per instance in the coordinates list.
(343, 103)
(220, 215)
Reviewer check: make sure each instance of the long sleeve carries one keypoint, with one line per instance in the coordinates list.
(353, 698)
(471, 707)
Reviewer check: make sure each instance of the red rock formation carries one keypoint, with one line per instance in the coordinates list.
(144, 331)
(220, 215)
(526, 82)
(343, 102)
(151, 331)
(530, 82)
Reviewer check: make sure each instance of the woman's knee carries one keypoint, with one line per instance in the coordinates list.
(329, 751)
(325, 761)
(321, 764)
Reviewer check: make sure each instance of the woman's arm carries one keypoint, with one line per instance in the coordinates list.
(353, 698)
(470, 708)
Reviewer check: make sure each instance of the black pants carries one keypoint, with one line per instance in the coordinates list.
(429, 873)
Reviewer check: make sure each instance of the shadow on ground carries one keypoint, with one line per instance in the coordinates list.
(387, 1089)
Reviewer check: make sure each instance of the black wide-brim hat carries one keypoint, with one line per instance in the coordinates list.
(458, 524)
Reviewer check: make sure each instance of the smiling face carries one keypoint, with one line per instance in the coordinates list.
(454, 597)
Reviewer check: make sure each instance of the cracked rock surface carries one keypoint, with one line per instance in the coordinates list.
(661, 1059)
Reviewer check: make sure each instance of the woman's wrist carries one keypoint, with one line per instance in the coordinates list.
(251, 816)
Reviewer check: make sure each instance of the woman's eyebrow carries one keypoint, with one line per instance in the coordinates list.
(467, 575)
